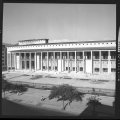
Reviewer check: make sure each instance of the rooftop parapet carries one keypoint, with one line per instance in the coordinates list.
(33, 41)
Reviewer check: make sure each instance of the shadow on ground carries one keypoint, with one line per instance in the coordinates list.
(103, 111)
(13, 109)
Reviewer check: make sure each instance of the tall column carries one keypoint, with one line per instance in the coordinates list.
(41, 62)
(109, 62)
(35, 62)
(75, 62)
(61, 60)
(19, 61)
(25, 60)
(83, 62)
(10, 60)
(47, 62)
(7, 61)
(15, 60)
(68, 60)
(100, 61)
(54, 60)
(30, 61)
(92, 60)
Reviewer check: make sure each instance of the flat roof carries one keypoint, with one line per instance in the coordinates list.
(97, 41)
(65, 49)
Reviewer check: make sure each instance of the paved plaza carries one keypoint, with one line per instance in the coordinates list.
(55, 78)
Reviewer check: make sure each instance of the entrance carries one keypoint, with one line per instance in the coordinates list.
(88, 62)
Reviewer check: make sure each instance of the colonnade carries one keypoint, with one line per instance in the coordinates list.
(78, 61)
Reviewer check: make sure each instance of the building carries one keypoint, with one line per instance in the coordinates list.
(94, 57)
(4, 56)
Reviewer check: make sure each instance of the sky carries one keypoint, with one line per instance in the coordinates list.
(58, 22)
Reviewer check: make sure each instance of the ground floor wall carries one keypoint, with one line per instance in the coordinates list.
(93, 62)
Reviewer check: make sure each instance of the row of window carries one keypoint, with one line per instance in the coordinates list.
(105, 69)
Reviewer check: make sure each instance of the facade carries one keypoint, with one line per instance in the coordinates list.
(4, 57)
(93, 57)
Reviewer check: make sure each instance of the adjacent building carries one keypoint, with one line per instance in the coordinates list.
(94, 57)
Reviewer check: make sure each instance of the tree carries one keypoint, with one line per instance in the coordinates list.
(14, 88)
(65, 93)
(94, 101)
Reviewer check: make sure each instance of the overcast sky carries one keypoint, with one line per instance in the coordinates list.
(63, 22)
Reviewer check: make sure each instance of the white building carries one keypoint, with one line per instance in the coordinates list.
(94, 57)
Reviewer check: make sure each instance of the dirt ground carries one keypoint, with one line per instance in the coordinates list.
(33, 97)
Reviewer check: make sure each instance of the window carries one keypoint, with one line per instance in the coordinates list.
(105, 55)
(96, 69)
(55, 67)
(81, 68)
(105, 69)
(66, 68)
(73, 68)
(96, 55)
(113, 54)
(113, 70)
(49, 67)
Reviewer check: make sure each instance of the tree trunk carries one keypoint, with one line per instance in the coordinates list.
(63, 105)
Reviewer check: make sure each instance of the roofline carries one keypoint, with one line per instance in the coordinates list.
(67, 42)
(72, 49)
(32, 40)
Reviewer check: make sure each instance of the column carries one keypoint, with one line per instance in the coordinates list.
(10, 60)
(30, 61)
(25, 60)
(19, 61)
(68, 60)
(83, 62)
(109, 62)
(41, 62)
(7, 61)
(92, 60)
(15, 60)
(35, 62)
(100, 61)
(47, 62)
(61, 60)
(75, 62)
(54, 60)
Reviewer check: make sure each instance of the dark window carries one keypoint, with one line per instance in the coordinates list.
(66, 68)
(96, 69)
(113, 70)
(73, 68)
(43, 67)
(105, 55)
(27, 64)
(113, 54)
(32, 65)
(23, 65)
(81, 68)
(49, 67)
(105, 69)
(55, 67)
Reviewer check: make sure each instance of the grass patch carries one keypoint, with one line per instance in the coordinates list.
(36, 77)
(66, 77)
(104, 80)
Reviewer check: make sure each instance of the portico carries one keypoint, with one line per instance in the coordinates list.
(88, 59)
